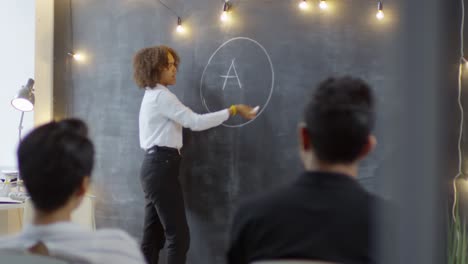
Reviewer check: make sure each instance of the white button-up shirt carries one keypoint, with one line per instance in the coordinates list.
(72, 242)
(162, 117)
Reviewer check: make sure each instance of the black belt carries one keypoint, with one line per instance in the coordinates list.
(162, 149)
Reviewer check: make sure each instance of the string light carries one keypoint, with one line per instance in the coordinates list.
(460, 134)
(380, 14)
(179, 28)
(323, 4)
(303, 5)
(224, 15)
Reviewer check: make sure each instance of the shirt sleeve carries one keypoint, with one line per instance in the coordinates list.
(130, 248)
(173, 109)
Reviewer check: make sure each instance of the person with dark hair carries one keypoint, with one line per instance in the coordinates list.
(325, 214)
(162, 117)
(55, 162)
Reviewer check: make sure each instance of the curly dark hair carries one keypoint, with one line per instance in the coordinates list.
(148, 64)
(340, 116)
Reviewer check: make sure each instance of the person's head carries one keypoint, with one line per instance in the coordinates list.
(338, 122)
(55, 162)
(155, 65)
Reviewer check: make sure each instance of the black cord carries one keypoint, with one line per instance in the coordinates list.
(70, 91)
(168, 8)
(70, 10)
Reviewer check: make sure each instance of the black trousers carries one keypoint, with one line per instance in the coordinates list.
(165, 219)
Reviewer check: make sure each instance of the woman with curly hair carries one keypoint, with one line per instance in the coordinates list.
(161, 119)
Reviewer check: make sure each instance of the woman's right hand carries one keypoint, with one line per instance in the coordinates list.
(246, 111)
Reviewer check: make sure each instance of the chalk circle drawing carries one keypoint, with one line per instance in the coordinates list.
(221, 77)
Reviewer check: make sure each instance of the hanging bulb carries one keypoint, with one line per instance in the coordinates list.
(224, 15)
(464, 62)
(380, 14)
(303, 5)
(76, 56)
(323, 4)
(179, 28)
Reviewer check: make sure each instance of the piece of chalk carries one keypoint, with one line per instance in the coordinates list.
(255, 110)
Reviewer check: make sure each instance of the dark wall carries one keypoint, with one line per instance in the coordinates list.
(421, 172)
(223, 165)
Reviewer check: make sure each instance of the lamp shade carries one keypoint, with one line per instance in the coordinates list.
(24, 100)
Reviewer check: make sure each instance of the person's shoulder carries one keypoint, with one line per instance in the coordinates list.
(384, 204)
(115, 237)
(113, 231)
(112, 244)
(375, 198)
(115, 234)
(163, 95)
(9, 241)
(264, 203)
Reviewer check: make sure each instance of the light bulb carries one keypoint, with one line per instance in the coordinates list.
(78, 56)
(224, 16)
(303, 5)
(380, 14)
(463, 61)
(22, 104)
(179, 28)
(323, 4)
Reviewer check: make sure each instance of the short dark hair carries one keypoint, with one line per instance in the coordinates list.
(53, 160)
(148, 64)
(339, 118)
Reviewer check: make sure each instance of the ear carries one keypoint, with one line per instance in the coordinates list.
(84, 187)
(304, 138)
(368, 147)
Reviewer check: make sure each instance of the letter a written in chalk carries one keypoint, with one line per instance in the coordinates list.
(228, 75)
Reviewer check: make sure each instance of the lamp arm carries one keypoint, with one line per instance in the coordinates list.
(20, 126)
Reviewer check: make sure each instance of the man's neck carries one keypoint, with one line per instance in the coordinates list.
(347, 169)
(46, 218)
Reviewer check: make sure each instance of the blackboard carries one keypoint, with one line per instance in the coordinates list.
(279, 53)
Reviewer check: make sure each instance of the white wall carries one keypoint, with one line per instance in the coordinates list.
(44, 64)
(17, 31)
